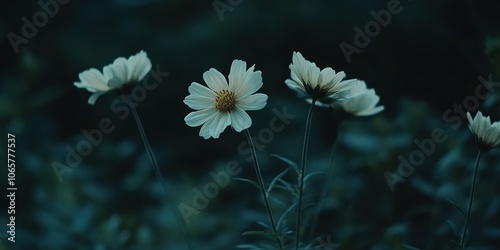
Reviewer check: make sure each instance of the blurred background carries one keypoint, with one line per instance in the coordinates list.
(425, 61)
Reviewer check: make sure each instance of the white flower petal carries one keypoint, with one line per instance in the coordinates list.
(336, 83)
(215, 80)
(480, 124)
(313, 76)
(108, 73)
(195, 119)
(252, 102)
(198, 102)
(496, 135)
(94, 97)
(206, 129)
(372, 111)
(345, 86)
(487, 134)
(223, 119)
(301, 65)
(120, 70)
(93, 80)
(297, 87)
(362, 104)
(294, 84)
(198, 89)
(84, 86)
(326, 76)
(236, 75)
(138, 65)
(215, 124)
(240, 120)
(251, 83)
(296, 78)
(358, 87)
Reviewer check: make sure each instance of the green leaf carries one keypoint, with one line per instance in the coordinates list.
(282, 187)
(454, 228)
(260, 233)
(457, 207)
(289, 162)
(248, 246)
(311, 175)
(283, 216)
(288, 186)
(264, 225)
(278, 177)
(248, 181)
(310, 205)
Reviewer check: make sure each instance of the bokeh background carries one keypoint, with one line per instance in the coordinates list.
(427, 59)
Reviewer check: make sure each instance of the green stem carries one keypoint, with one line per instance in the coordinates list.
(263, 189)
(471, 200)
(327, 182)
(156, 168)
(302, 173)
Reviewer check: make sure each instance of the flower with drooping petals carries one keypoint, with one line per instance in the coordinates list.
(224, 103)
(322, 87)
(117, 75)
(361, 101)
(487, 134)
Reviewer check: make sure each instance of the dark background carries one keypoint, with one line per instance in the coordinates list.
(427, 58)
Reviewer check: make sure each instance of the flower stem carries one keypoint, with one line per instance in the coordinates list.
(156, 168)
(471, 200)
(327, 182)
(263, 189)
(302, 173)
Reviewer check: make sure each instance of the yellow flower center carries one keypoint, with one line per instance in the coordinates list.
(225, 101)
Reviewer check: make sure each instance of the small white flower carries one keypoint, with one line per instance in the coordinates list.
(114, 76)
(361, 101)
(223, 104)
(487, 134)
(323, 87)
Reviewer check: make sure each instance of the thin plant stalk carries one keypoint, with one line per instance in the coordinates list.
(328, 181)
(471, 200)
(302, 174)
(263, 189)
(154, 164)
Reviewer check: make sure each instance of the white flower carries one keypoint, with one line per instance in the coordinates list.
(223, 104)
(487, 134)
(361, 101)
(114, 76)
(323, 87)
